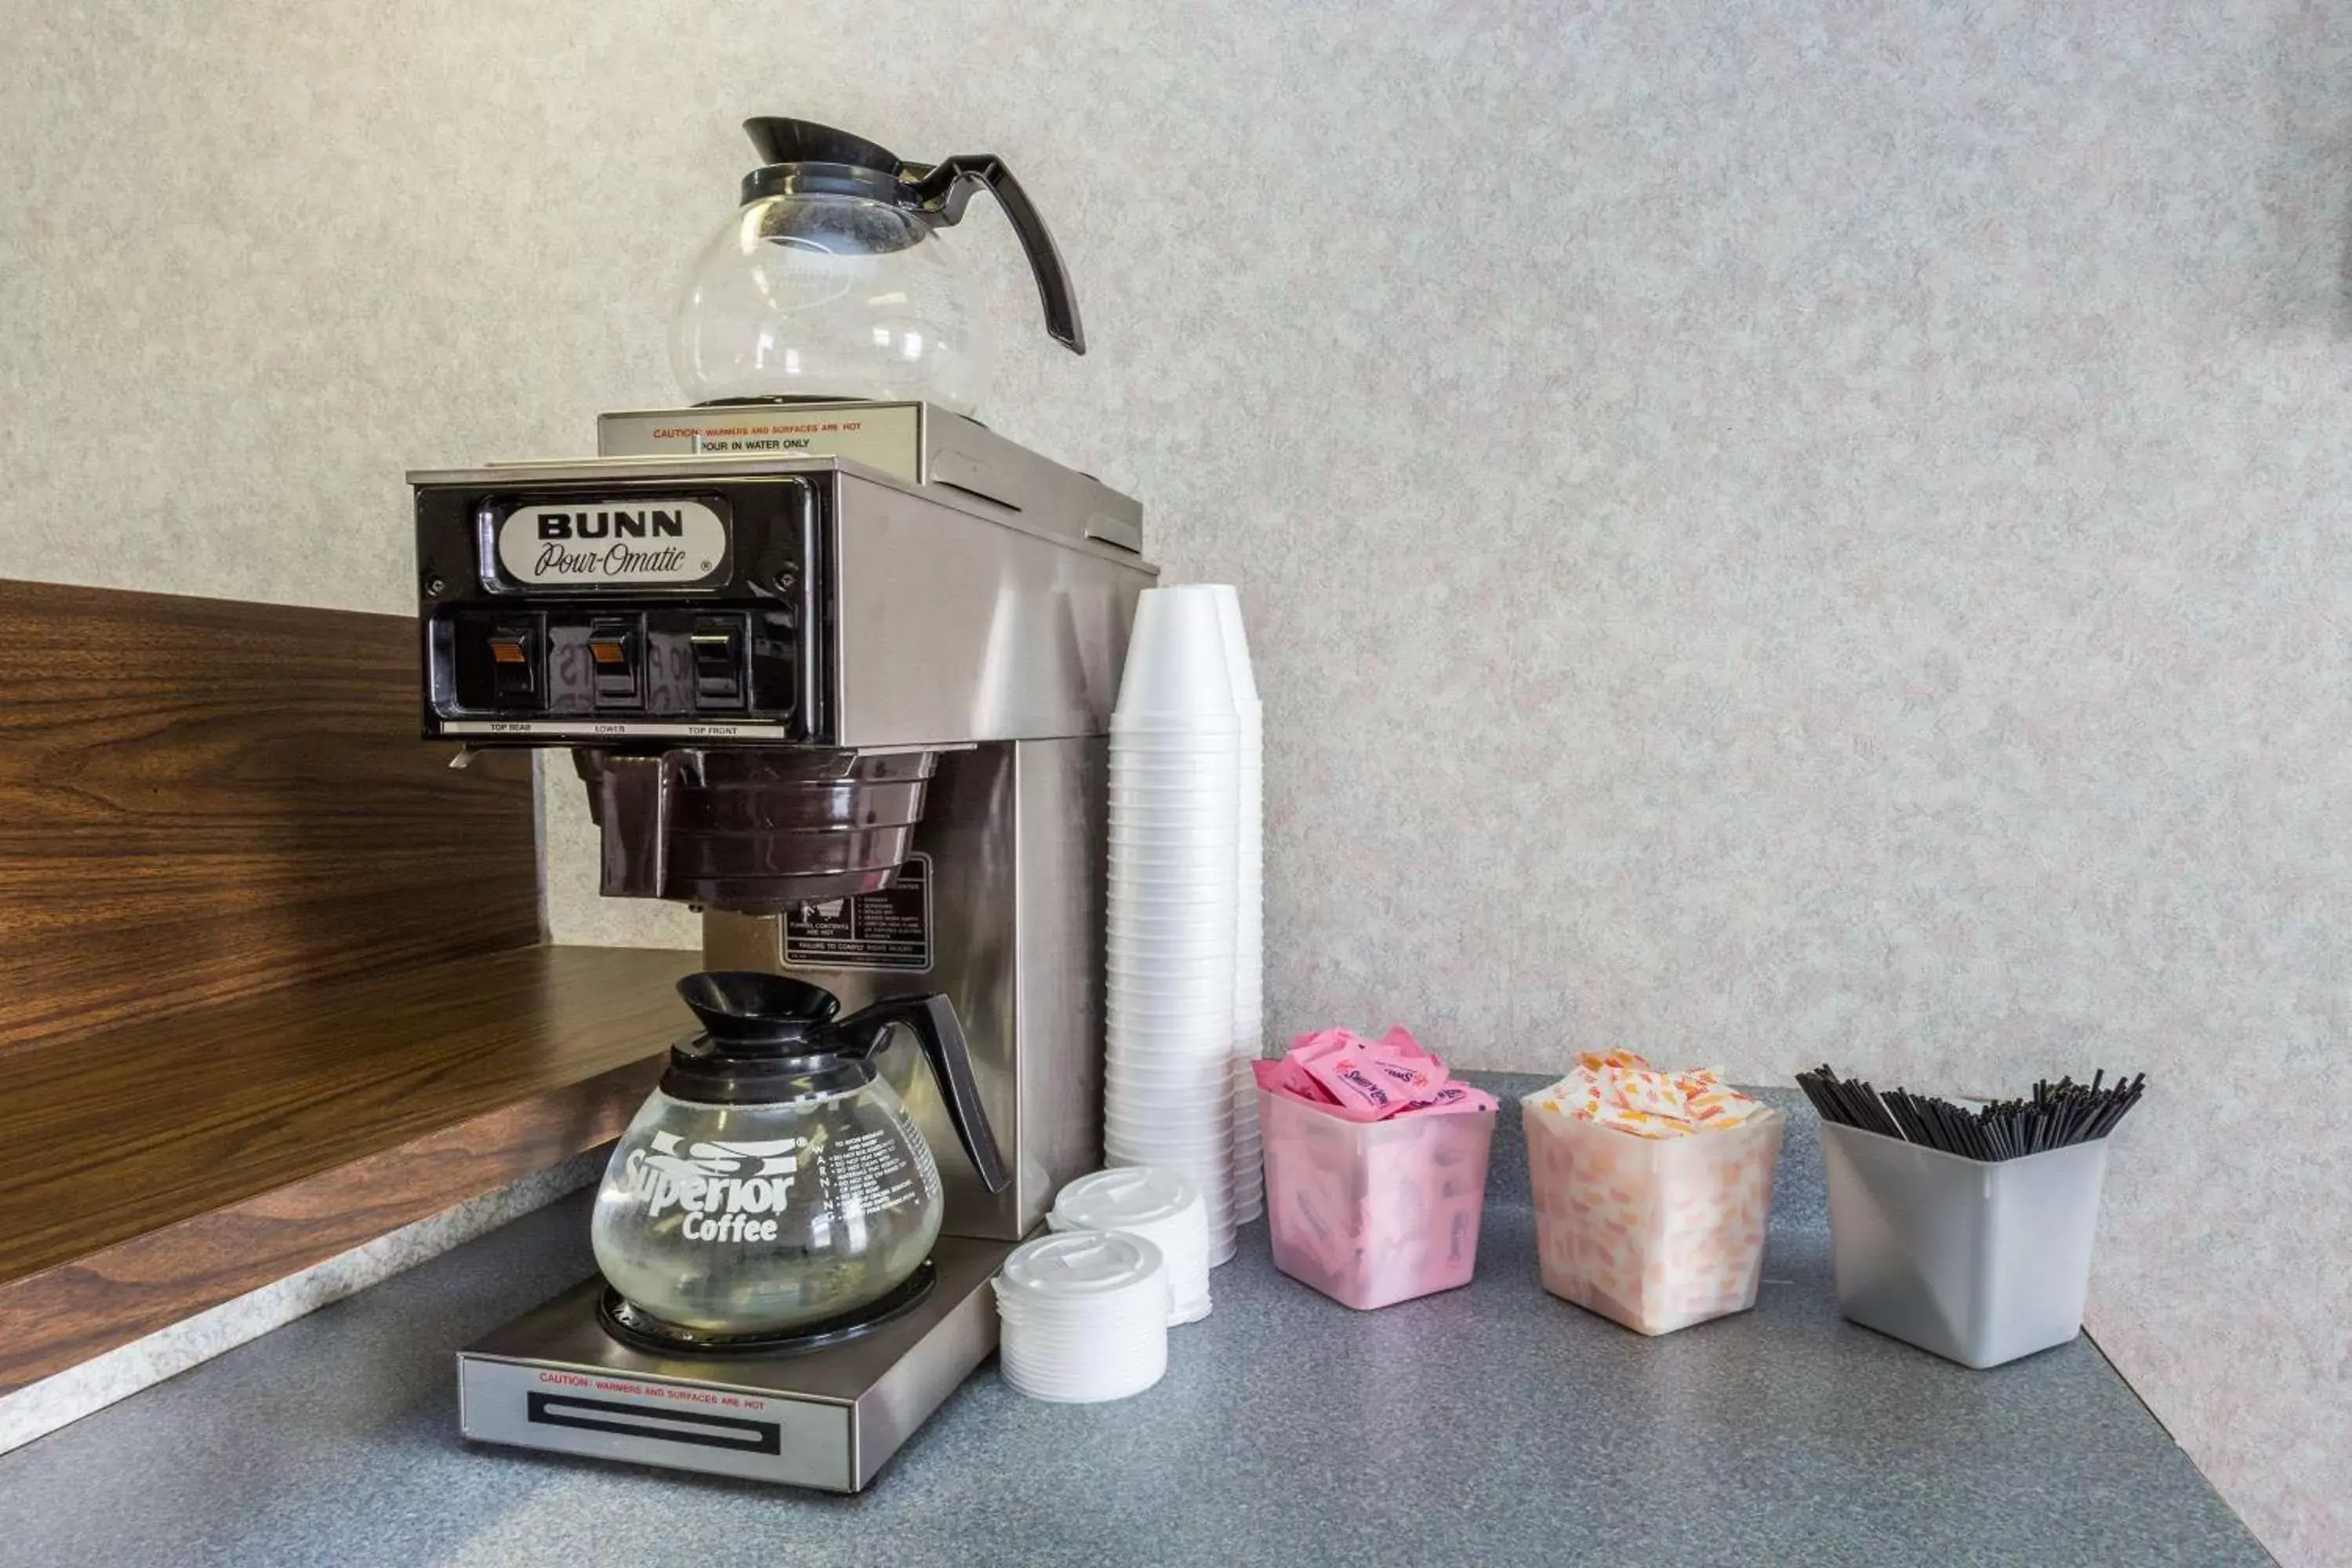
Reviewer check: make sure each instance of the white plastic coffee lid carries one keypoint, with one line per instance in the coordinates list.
(1124, 1198)
(1083, 1266)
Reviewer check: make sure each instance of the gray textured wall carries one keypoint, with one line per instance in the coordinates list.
(1770, 533)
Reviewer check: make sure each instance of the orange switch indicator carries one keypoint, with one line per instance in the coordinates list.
(612, 650)
(514, 664)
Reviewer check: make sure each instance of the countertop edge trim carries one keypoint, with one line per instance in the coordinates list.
(68, 1313)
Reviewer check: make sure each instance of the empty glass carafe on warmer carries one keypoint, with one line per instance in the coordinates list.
(774, 1182)
(834, 280)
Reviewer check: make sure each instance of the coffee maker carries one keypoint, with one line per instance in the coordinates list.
(839, 675)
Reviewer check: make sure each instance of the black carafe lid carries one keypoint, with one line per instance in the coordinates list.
(769, 1037)
(805, 141)
(746, 1012)
(800, 155)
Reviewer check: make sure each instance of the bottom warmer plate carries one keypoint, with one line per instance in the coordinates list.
(828, 1418)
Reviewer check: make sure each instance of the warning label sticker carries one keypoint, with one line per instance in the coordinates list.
(882, 436)
(889, 930)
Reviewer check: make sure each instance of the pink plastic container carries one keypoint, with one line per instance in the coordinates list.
(1373, 1213)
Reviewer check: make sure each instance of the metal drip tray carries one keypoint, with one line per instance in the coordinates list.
(555, 1378)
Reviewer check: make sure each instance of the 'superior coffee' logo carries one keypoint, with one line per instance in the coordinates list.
(590, 543)
(723, 1188)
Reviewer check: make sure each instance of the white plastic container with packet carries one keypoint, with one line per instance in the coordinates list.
(1979, 1262)
(1653, 1233)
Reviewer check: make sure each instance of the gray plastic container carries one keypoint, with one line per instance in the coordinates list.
(1981, 1263)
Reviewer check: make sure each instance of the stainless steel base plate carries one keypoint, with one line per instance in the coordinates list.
(828, 1419)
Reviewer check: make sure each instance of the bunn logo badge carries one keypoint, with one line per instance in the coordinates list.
(647, 522)
(590, 543)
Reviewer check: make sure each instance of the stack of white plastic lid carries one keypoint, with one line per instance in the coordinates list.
(1175, 824)
(1249, 907)
(1162, 1207)
(1083, 1317)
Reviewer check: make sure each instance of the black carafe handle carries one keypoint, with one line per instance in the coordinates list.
(940, 1032)
(947, 186)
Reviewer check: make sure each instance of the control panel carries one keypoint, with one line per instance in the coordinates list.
(624, 607)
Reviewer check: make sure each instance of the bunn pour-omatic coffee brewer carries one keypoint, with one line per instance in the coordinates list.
(839, 673)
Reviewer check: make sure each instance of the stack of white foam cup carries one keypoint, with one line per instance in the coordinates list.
(1175, 823)
(1249, 932)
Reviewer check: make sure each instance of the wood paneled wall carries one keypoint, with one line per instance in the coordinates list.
(202, 799)
(270, 982)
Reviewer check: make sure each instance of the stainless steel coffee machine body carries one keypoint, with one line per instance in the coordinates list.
(669, 619)
(786, 673)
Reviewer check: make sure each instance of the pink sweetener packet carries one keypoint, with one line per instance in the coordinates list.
(1444, 1093)
(1290, 1080)
(1452, 1097)
(1396, 1055)
(1322, 1043)
(1399, 1042)
(1356, 1081)
(1418, 1076)
(1374, 1079)
(1312, 1057)
(1287, 1079)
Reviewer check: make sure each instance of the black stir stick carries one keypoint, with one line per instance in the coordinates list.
(2056, 1116)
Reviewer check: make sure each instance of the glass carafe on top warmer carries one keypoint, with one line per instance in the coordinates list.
(774, 1182)
(833, 280)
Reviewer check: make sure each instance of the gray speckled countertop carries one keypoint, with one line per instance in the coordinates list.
(1492, 1425)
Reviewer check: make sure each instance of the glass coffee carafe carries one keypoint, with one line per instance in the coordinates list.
(774, 1183)
(833, 280)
